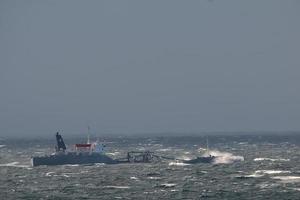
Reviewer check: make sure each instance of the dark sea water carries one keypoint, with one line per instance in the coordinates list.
(248, 167)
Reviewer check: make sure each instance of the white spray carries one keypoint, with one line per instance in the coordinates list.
(224, 157)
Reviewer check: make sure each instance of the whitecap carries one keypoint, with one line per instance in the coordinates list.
(272, 172)
(271, 159)
(254, 175)
(153, 178)
(178, 164)
(75, 165)
(2, 145)
(134, 178)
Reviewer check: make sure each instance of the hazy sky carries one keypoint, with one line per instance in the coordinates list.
(149, 66)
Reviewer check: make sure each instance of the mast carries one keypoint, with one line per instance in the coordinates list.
(88, 135)
(207, 148)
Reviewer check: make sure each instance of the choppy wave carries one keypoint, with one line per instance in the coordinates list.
(297, 189)
(261, 173)
(268, 176)
(15, 164)
(268, 185)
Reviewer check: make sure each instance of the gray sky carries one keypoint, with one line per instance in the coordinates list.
(149, 66)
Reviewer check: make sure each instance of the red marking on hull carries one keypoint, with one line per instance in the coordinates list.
(83, 145)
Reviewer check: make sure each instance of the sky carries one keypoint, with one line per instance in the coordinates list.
(146, 67)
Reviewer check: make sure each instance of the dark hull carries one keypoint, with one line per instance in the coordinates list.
(208, 159)
(73, 158)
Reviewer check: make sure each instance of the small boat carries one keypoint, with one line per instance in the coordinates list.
(202, 159)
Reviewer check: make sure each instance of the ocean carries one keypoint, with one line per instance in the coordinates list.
(249, 166)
